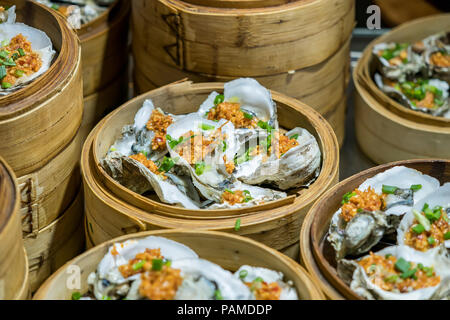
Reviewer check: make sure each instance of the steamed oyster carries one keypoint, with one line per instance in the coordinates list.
(25, 53)
(398, 273)
(428, 96)
(156, 268)
(427, 226)
(398, 61)
(375, 209)
(438, 60)
(78, 12)
(266, 284)
(284, 160)
(124, 263)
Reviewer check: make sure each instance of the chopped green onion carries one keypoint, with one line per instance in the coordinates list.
(4, 43)
(166, 164)
(402, 265)
(420, 266)
(106, 298)
(359, 210)
(447, 235)
(264, 125)
(200, 168)
(55, 7)
(258, 279)
(431, 240)
(157, 264)
(422, 220)
(387, 256)
(4, 54)
(218, 295)
(19, 73)
(243, 273)
(416, 187)
(138, 265)
(409, 273)
(224, 147)
(347, 196)
(237, 225)
(388, 189)
(230, 191)
(168, 263)
(76, 296)
(219, 99)
(418, 228)
(6, 85)
(21, 52)
(391, 279)
(295, 136)
(206, 127)
(2, 72)
(247, 115)
(429, 271)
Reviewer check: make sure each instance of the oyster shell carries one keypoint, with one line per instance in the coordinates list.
(403, 66)
(107, 280)
(40, 43)
(367, 228)
(354, 274)
(248, 274)
(440, 105)
(170, 188)
(440, 197)
(297, 167)
(253, 195)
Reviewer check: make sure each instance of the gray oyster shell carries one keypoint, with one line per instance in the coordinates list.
(403, 99)
(366, 229)
(400, 72)
(354, 275)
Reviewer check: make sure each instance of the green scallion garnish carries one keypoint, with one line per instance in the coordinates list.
(219, 99)
(243, 273)
(388, 189)
(138, 265)
(157, 264)
(237, 225)
(416, 187)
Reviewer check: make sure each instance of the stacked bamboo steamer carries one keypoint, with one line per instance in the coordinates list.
(228, 251)
(299, 48)
(112, 210)
(104, 55)
(39, 128)
(13, 259)
(387, 131)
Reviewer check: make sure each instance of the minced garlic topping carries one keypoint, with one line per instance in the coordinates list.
(363, 200)
(140, 157)
(233, 197)
(160, 285)
(440, 60)
(383, 273)
(147, 256)
(428, 239)
(232, 112)
(158, 123)
(265, 291)
(19, 60)
(195, 147)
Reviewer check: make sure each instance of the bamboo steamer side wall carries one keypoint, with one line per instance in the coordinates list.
(49, 191)
(253, 42)
(55, 244)
(228, 251)
(104, 49)
(13, 262)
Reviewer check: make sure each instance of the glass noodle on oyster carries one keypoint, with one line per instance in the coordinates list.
(25, 52)
(156, 268)
(78, 12)
(375, 208)
(398, 273)
(225, 155)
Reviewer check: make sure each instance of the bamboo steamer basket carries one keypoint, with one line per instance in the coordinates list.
(259, 41)
(55, 244)
(13, 262)
(48, 192)
(104, 51)
(317, 254)
(226, 250)
(43, 117)
(114, 210)
(386, 131)
(322, 86)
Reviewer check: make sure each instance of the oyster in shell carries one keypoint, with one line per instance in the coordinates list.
(298, 166)
(356, 230)
(398, 61)
(41, 49)
(256, 277)
(108, 281)
(438, 61)
(426, 226)
(398, 273)
(428, 96)
(241, 195)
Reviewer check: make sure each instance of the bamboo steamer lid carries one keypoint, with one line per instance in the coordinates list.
(387, 131)
(115, 209)
(13, 261)
(317, 254)
(228, 251)
(40, 119)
